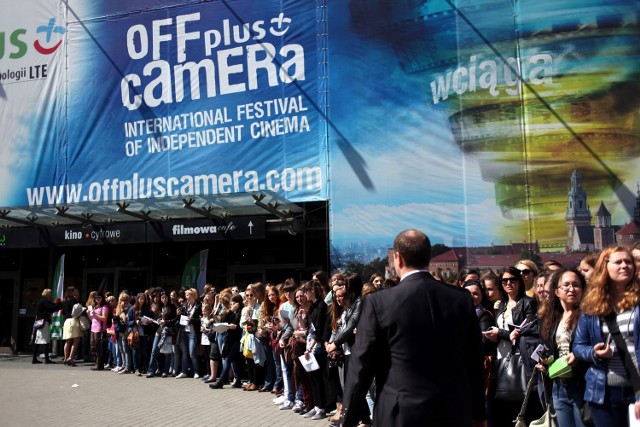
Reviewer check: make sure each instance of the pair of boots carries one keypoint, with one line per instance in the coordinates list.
(36, 351)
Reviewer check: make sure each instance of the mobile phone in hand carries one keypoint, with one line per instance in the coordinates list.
(608, 340)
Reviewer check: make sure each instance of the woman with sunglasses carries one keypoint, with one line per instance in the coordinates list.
(515, 319)
(558, 320)
(250, 313)
(613, 292)
(529, 271)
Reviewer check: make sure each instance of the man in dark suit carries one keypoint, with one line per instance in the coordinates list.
(422, 343)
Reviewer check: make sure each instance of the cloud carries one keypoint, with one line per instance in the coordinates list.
(448, 223)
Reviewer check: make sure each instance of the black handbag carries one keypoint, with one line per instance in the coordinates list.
(585, 414)
(511, 378)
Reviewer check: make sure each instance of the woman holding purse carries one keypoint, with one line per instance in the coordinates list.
(558, 321)
(515, 316)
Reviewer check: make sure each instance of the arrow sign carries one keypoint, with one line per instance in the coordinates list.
(250, 227)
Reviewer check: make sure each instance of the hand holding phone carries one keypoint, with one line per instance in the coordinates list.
(608, 340)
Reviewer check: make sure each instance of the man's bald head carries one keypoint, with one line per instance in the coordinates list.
(414, 247)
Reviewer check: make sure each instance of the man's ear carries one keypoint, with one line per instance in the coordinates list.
(399, 261)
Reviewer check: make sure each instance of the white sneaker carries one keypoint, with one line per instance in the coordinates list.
(116, 369)
(297, 406)
(310, 414)
(320, 414)
(286, 405)
(196, 376)
(181, 375)
(279, 400)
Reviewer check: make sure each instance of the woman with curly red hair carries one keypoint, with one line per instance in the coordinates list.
(613, 293)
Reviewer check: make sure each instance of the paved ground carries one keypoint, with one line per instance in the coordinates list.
(57, 395)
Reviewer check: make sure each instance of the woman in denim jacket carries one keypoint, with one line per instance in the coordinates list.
(613, 289)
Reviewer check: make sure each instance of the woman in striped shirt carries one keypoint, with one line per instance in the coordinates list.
(613, 290)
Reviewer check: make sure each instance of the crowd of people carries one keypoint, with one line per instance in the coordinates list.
(257, 334)
(294, 341)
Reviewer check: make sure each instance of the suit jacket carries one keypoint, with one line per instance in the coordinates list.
(422, 343)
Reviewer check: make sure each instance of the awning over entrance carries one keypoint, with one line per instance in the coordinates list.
(239, 215)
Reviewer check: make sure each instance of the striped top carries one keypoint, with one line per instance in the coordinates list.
(616, 373)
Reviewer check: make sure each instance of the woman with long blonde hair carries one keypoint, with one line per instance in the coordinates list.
(192, 309)
(613, 293)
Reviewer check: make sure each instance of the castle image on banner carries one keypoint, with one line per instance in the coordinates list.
(582, 236)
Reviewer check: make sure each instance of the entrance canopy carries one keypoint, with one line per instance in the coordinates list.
(239, 215)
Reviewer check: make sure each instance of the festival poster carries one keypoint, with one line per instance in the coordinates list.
(470, 117)
(169, 99)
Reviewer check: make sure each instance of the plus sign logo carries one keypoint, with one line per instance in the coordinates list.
(47, 40)
(50, 44)
(280, 25)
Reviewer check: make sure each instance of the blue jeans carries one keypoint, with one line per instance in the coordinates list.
(614, 410)
(189, 355)
(231, 361)
(279, 378)
(567, 401)
(287, 373)
(119, 346)
(269, 365)
(155, 351)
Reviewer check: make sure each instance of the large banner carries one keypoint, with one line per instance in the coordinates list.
(469, 118)
(481, 122)
(170, 99)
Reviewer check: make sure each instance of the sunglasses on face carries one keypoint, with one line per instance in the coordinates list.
(506, 280)
(525, 271)
(248, 295)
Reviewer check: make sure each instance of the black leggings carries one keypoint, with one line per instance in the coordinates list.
(255, 372)
(317, 379)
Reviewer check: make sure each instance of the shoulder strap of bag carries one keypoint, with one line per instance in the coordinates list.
(621, 346)
(526, 399)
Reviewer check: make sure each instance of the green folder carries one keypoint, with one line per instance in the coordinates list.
(559, 368)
